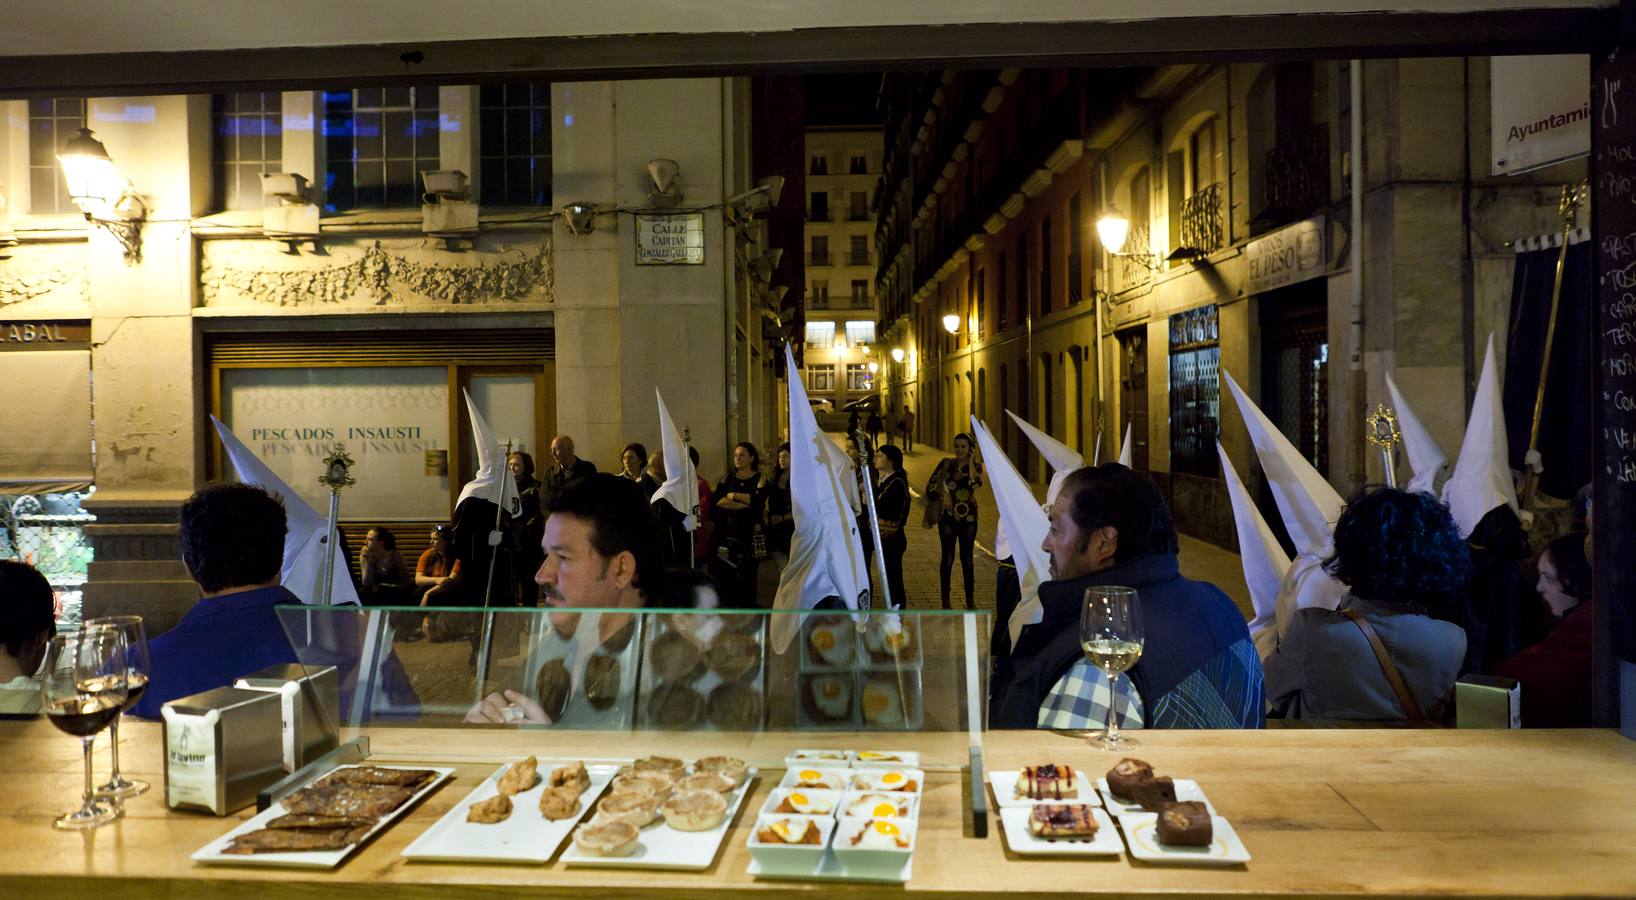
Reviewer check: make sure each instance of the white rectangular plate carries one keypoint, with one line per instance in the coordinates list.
(1004, 782)
(829, 869)
(1186, 789)
(524, 837)
(308, 859)
(809, 758)
(906, 759)
(1022, 842)
(776, 796)
(842, 776)
(1141, 832)
(662, 847)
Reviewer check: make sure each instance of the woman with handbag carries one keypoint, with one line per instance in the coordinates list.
(739, 543)
(892, 512)
(952, 494)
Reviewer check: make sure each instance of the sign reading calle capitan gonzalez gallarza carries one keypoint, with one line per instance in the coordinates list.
(1290, 254)
(676, 240)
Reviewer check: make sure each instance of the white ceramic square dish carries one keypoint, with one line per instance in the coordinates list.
(659, 846)
(1004, 782)
(1024, 843)
(778, 858)
(1186, 789)
(835, 759)
(885, 759)
(1141, 833)
(806, 802)
(862, 860)
(896, 780)
(856, 804)
(524, 837)
(821, 777)
(310, 859)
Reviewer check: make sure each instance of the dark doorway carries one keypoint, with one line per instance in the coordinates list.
(1295, 378)
(1132, 399)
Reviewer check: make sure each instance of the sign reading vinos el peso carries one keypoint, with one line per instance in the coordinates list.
(676, 240)
(1289, 255)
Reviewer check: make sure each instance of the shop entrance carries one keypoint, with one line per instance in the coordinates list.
(1295, 378)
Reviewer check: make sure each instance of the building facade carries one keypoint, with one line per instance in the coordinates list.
(1234, 183)
(841, 364)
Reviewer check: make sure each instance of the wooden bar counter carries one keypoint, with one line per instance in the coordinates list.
(1324, 813)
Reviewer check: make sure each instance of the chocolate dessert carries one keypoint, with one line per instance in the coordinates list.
(1185, 824)
(378, 775)
(1154, 792)
(294, 821)
(1123, 776)
(340, 799)
(288, 840)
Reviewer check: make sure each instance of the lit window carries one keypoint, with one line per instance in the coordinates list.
(821, 378)
(249, 142)
(378, 141)
(859, 333)
(51, 122)
(820, 335)
(858, 377)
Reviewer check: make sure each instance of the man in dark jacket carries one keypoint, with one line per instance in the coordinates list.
(1110, 526)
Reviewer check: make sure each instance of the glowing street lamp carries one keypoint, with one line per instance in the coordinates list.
(951, 323)
(897, 354)
(1113, 229)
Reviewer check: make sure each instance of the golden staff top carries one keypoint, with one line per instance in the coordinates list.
(337, 469)
(1382, 426)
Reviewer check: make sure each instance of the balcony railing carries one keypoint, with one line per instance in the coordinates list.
(857, 215)
(860, 302)
(857, 259)
(1133, 267)
(818, 215)
(818, 259)
(1297, 175)
(1201, 220)
(818, 301)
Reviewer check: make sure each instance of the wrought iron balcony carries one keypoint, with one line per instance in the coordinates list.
(1201, 221)
(818, 259)
(1297, 176)
(1136, 266)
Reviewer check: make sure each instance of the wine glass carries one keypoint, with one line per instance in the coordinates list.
(83, 689)
(1110, 633)
(136, 681)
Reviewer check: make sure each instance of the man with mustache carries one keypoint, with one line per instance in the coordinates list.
(601, 546)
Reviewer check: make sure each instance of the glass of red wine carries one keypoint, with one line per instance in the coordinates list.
(83, 689)
(136, 681)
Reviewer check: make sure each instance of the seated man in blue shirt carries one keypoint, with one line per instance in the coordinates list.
(1109, 526)
(233, 546)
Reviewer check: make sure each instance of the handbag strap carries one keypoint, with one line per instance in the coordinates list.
(1393, 677)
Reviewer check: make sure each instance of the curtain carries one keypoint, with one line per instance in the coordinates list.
(1565, 419)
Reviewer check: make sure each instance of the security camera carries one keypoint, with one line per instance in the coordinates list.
(444, 185)
(581, 218)
(285, 187)
(664, 172)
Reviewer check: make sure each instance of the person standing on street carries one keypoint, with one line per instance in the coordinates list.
(892, 512)
(953, 487)
(908, 424)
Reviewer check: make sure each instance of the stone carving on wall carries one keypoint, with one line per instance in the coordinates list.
(232, 274)
(52, 275)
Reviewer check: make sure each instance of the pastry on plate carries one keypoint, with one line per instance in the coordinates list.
(379, 775)
(1047, 782)
(734, 656)
(632, 807)
(674, 706)
(1123, 776)
(731, 768)
(706, 781)
(676, 657)
(878, 806)
(806, 804)
(309, 821)
(734, 706)
(290, 840)
(559, 803)
(668, 764)
(606, 839)
(1185, 824)
(602, 681)
(790, 831)
(653, 783)
(519, 777)
(573, 776)
(1061, 820)
(551, 687)
(695, 810)
(495, 809)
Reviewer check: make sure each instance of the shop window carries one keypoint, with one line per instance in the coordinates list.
(858, 378)
(1195, 391)
(51, 122)
(514, 144)
(821, 378)
(820, 335)
(247, 142)
(377, 141)
(859, 333)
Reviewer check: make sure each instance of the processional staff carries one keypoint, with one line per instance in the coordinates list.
(1573, 196)
(337, 474)
(873, 518)
(1381, 430)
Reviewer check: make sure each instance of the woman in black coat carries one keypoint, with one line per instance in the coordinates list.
(892, 511)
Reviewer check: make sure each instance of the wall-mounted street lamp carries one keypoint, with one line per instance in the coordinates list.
(580, 217)
(1113, 230)
(898, 355)
(97, 188)
(951, 323)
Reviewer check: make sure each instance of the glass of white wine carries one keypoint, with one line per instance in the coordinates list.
(83, 689)
(1110, 633)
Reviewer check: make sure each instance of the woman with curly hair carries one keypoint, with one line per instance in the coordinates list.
(1388, 652)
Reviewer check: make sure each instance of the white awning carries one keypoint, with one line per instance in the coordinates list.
(46, 444)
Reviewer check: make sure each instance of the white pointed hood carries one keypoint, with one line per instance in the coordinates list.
(1482, 475)
(1124, 447)
(1308, 504)
(303, 568)
(826, 551)
(846, 471)
(1264, 560)
(1022, 522)
(1426, 459)
(1062, 458)
(493, 481)
(681, 487)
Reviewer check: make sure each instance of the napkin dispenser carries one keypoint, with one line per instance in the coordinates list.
(1488, 701)
(221, 747)
(308, 700)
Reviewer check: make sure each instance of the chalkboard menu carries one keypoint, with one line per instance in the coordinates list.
(1613, 205)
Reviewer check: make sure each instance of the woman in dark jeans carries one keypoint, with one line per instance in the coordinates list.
(953, 486)
(736, 515)
(892, 511)
(779, 506)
